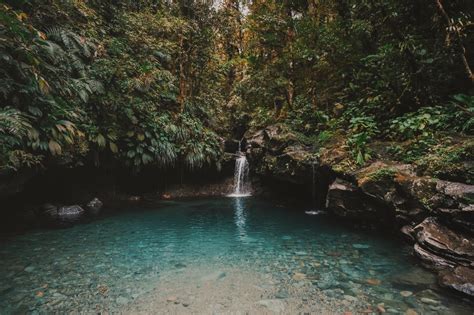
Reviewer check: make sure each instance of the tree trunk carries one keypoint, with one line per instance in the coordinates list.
(462, 49)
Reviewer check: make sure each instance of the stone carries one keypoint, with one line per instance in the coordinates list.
(411, 311)
(214, 276)
(461, 192)
(455, 248)
(409, 233)
(29, 269)
(172, 299)
(361, 246)
(415, 278)
(70, 213)
(273, 305)
(431, 260)
(373, 281)
(350, 298)
(406, 293)
(49, 211)
(460, 279)
(345, 200)
(94, 206)
(299, 276)
(121, 300)
(381, 308)
(429, 301)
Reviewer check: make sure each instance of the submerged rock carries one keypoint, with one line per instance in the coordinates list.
(275, 305)
(94, 206)
(460, 279)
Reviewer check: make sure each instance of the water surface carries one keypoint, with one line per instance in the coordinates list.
(245, 250)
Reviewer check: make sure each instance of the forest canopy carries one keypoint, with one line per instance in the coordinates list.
(163, 83)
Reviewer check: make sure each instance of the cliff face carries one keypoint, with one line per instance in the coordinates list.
(436, 216)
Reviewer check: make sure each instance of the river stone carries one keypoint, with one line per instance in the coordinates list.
(273, 305)
(121, 300)
(94, 206)
(415, 278)
(361, 246)
(214, 276)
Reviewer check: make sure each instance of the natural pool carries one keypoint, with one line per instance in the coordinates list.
(214, 256)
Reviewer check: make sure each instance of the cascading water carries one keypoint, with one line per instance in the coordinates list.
(241, 175)
(313, 193)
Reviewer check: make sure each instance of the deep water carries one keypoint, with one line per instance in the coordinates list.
(117, 259)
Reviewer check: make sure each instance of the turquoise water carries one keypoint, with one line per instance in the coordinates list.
(108, 264)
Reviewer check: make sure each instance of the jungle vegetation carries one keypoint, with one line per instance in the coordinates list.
(163, 82)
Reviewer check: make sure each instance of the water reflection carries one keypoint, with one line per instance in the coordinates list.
(240, 219)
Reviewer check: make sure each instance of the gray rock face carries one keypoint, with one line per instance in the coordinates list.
(94, 206)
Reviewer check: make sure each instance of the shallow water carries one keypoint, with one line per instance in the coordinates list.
(135, 257)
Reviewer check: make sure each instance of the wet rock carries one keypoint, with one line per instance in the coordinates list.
(29, 269)
(345, 200)
(49, 211)
(430, 259)
(299, 276)
(406, 293)
(460, 279)
(350, 298)
(94, 206)
(429, 301)
(373, 281)
(214, 276)
(70, 213)
(360, 246)
(409, 233)
(121, 300)
(171, 299)
(454, 248)
(274, 305)
(462, 193)
(415, 278)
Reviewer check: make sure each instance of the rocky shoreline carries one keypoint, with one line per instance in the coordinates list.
(436, 216)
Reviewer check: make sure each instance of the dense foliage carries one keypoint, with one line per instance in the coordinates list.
(162, 82)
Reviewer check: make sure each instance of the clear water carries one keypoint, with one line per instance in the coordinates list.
(115, 262)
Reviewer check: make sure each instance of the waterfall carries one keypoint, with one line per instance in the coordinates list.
(241, 175)
(313, 193)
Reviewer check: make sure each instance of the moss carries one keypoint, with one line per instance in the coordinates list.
(383, 174)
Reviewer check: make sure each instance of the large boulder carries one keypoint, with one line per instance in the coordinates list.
(294, 165)
(344, 199)
(276, 152)
(274, 139)
(442, 241)
(450, 252)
